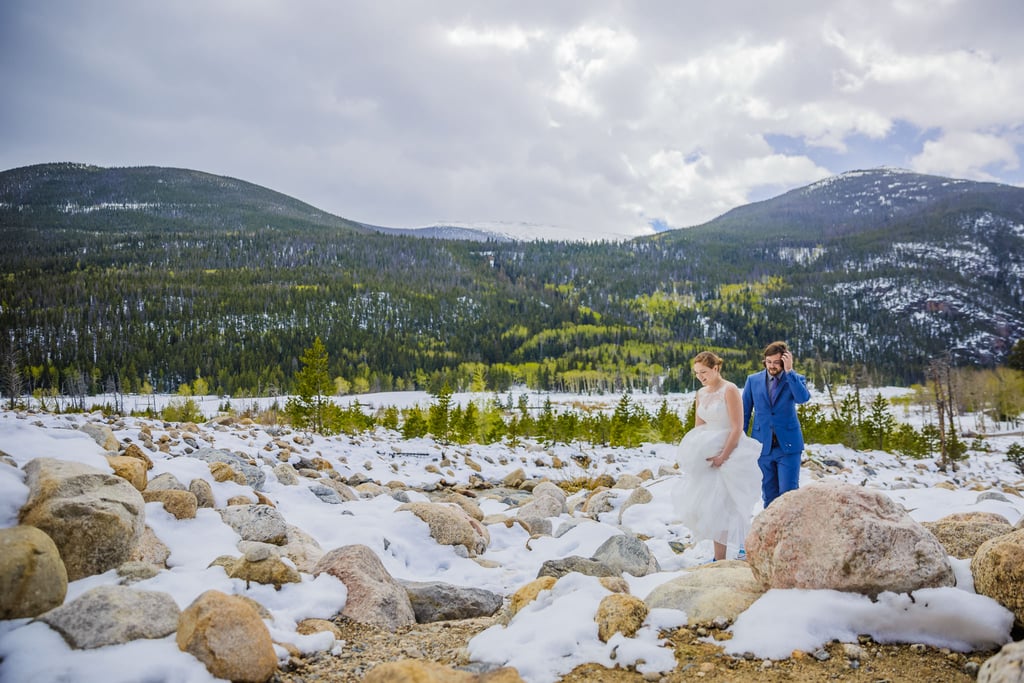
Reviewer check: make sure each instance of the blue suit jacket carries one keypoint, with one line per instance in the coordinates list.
(779, 417)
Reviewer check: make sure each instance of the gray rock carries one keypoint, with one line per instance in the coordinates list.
(547, 488)
(165, 482)
(286, 474)
(102, 435)
(112, 615)
(254, 476)
(201, 489)
(256, 523)
(627, 554)
(326, 494)
(541, 507)
(574, 563)
(437, 601)
(135, 570)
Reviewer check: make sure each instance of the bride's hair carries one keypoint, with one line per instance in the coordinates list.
(708, 360)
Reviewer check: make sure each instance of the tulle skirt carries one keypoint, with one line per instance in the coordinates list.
(717, 503)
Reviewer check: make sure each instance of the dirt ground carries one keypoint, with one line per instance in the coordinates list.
(445, 643)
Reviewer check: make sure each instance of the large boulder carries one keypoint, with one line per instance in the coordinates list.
(962, 533)
(439, 601)
(719, 590)
(451, 525)
(843, 537)
(32, 575)
(998, 569)
(374, 597)
(226, 633)
(95, 518)
(113, 615)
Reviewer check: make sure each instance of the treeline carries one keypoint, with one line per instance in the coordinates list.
(849, 421)
(858, 425)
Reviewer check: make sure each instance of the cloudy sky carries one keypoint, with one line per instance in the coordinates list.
(597, 117)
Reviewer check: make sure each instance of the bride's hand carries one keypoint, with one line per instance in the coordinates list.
(718, 460)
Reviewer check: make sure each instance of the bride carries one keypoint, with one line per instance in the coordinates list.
(721, 481)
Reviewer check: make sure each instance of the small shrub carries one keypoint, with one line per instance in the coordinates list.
(182, 410)
(1015, 454)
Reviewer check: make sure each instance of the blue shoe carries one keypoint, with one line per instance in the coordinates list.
(742, 554)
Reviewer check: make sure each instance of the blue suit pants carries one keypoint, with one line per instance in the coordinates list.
(780, 472)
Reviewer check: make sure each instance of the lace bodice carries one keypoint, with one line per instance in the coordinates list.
(711, 406)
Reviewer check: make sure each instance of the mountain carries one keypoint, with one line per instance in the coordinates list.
(160, 276)
(444, 232)
(170, 197)
(865, 201)
(943, 257)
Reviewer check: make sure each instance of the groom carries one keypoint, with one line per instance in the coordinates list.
(772, 396)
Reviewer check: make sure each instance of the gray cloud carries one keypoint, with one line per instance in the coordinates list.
(599, 117)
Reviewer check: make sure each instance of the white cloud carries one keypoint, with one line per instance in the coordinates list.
(583, 57)
(507, 38)
(967, 154)
(601, 115)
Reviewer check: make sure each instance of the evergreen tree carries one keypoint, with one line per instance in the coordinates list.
(545, 422)
(1016, 358)
(879, 423)
(309, 407)
(440, 415)
(468, 424)
(668, 425)
(389, 420)
(622, 429)
(415, 424)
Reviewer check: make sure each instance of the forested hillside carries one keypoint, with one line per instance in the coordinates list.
(153, 277)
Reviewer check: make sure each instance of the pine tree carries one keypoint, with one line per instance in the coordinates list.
(440, 415)
(620, 425)
(1016, 358)
(879, 423)
(669, 426)
(308, 408)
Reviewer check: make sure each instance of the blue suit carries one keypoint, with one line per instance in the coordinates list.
(777, 427)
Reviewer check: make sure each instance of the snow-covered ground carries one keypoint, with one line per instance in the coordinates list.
(557, 632)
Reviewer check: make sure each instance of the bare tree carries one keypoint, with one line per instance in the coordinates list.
(113, 387)
(936, 368)
(11, 378)
(940, 373)
(75, 387)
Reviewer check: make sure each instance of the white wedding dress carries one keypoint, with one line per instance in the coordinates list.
(717, 503)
